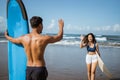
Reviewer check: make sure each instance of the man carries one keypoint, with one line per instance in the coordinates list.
(34, 44)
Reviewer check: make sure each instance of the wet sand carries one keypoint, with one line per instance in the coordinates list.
(3, 62)
(68, 62)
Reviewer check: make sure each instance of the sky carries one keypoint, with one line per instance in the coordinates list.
(101, 17)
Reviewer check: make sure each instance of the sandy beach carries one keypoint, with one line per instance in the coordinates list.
(68, 62)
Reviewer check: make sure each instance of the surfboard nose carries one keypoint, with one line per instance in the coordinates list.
(17, 3)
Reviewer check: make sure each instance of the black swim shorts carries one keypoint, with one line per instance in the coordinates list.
(36, 73)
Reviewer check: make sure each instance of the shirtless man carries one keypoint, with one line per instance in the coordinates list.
(34, 44)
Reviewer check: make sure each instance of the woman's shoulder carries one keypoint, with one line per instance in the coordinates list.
(96, 44)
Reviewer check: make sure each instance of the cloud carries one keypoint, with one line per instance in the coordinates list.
(77, 28)
(105, 28)
(1, 19)
(2, 24)
(99, 29)
(116, 28)
(52, 24)
(69, 26)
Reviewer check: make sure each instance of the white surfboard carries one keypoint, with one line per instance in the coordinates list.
(103, 67)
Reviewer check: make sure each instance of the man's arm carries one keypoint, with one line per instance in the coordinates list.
(59, 36)
(13, 40)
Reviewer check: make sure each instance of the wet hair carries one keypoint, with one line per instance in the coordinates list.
(35, 21)
(85, 39)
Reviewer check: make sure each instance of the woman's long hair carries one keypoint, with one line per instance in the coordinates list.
(85, 39)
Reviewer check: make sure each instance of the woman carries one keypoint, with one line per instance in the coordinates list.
(90, 43)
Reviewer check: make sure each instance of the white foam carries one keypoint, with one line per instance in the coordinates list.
(101, 38)
(3, 41)
(66, 42)
(98, 35)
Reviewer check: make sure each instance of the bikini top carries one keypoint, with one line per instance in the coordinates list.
(89, 49)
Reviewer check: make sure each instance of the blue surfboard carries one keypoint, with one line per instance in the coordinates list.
(17, 24)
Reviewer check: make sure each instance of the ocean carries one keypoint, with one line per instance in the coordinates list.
(105, 40)
(65, 60)
(74, 39)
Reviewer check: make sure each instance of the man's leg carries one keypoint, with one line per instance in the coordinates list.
(28, 73)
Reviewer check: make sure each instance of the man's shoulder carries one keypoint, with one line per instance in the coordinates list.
(45, 37)
(26, 35)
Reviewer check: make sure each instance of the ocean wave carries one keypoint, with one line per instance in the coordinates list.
(77, 43)
(109, 44)
(78, 38)
(66, 42)
(101, 38)
(71, 39)
(3, 41)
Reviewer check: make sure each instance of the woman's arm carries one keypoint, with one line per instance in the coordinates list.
(97, 49)
(82, 44)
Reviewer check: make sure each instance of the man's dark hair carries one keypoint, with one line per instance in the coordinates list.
(35, 21)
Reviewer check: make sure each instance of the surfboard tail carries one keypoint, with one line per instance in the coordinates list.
(107, 72)
(103, 68)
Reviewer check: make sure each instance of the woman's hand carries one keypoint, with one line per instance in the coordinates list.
(81, 37)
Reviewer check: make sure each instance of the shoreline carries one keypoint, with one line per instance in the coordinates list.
(115, 45)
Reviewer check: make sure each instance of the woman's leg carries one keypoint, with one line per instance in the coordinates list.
(93, 69)
(89, 71)
(89, 64)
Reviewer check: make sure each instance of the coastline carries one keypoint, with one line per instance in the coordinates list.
(102, 44)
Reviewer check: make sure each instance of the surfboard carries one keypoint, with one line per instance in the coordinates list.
(17, 24)
(103, 67)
